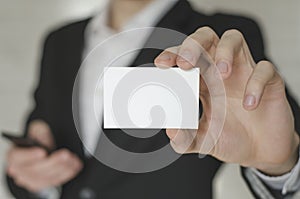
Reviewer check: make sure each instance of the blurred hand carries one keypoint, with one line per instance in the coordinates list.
(33, 170)
(258, 130)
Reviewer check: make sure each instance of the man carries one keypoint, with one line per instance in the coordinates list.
(31, 172)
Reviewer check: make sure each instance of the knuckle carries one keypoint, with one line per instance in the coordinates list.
(233, 33)
(205, 30)
(270, 71)
(266, 64)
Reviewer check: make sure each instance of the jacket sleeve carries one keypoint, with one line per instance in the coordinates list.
(42, 108)
(258, 188)
(40, 111)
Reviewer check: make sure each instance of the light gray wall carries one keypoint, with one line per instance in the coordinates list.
(24, 24)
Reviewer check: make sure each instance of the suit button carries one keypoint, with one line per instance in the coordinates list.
(87, 193)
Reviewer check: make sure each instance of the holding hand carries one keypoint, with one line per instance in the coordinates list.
(33, 170)
(258, 130)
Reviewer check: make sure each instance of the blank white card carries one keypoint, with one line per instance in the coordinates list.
(151, 98)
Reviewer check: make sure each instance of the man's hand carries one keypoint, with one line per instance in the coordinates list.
(258, 130)
(32, 169)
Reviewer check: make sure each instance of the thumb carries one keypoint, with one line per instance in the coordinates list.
(41, 132)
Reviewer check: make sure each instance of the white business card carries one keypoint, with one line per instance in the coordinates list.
(151, 98)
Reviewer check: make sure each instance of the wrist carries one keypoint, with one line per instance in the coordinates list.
(284, 167)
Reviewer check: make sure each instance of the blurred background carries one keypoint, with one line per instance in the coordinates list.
(24, 24)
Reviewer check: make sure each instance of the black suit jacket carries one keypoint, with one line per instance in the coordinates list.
(188, 177)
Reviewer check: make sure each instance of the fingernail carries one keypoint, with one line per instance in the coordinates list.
(164, 57)
(223, 67)
(186, 56)
(250, 100)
